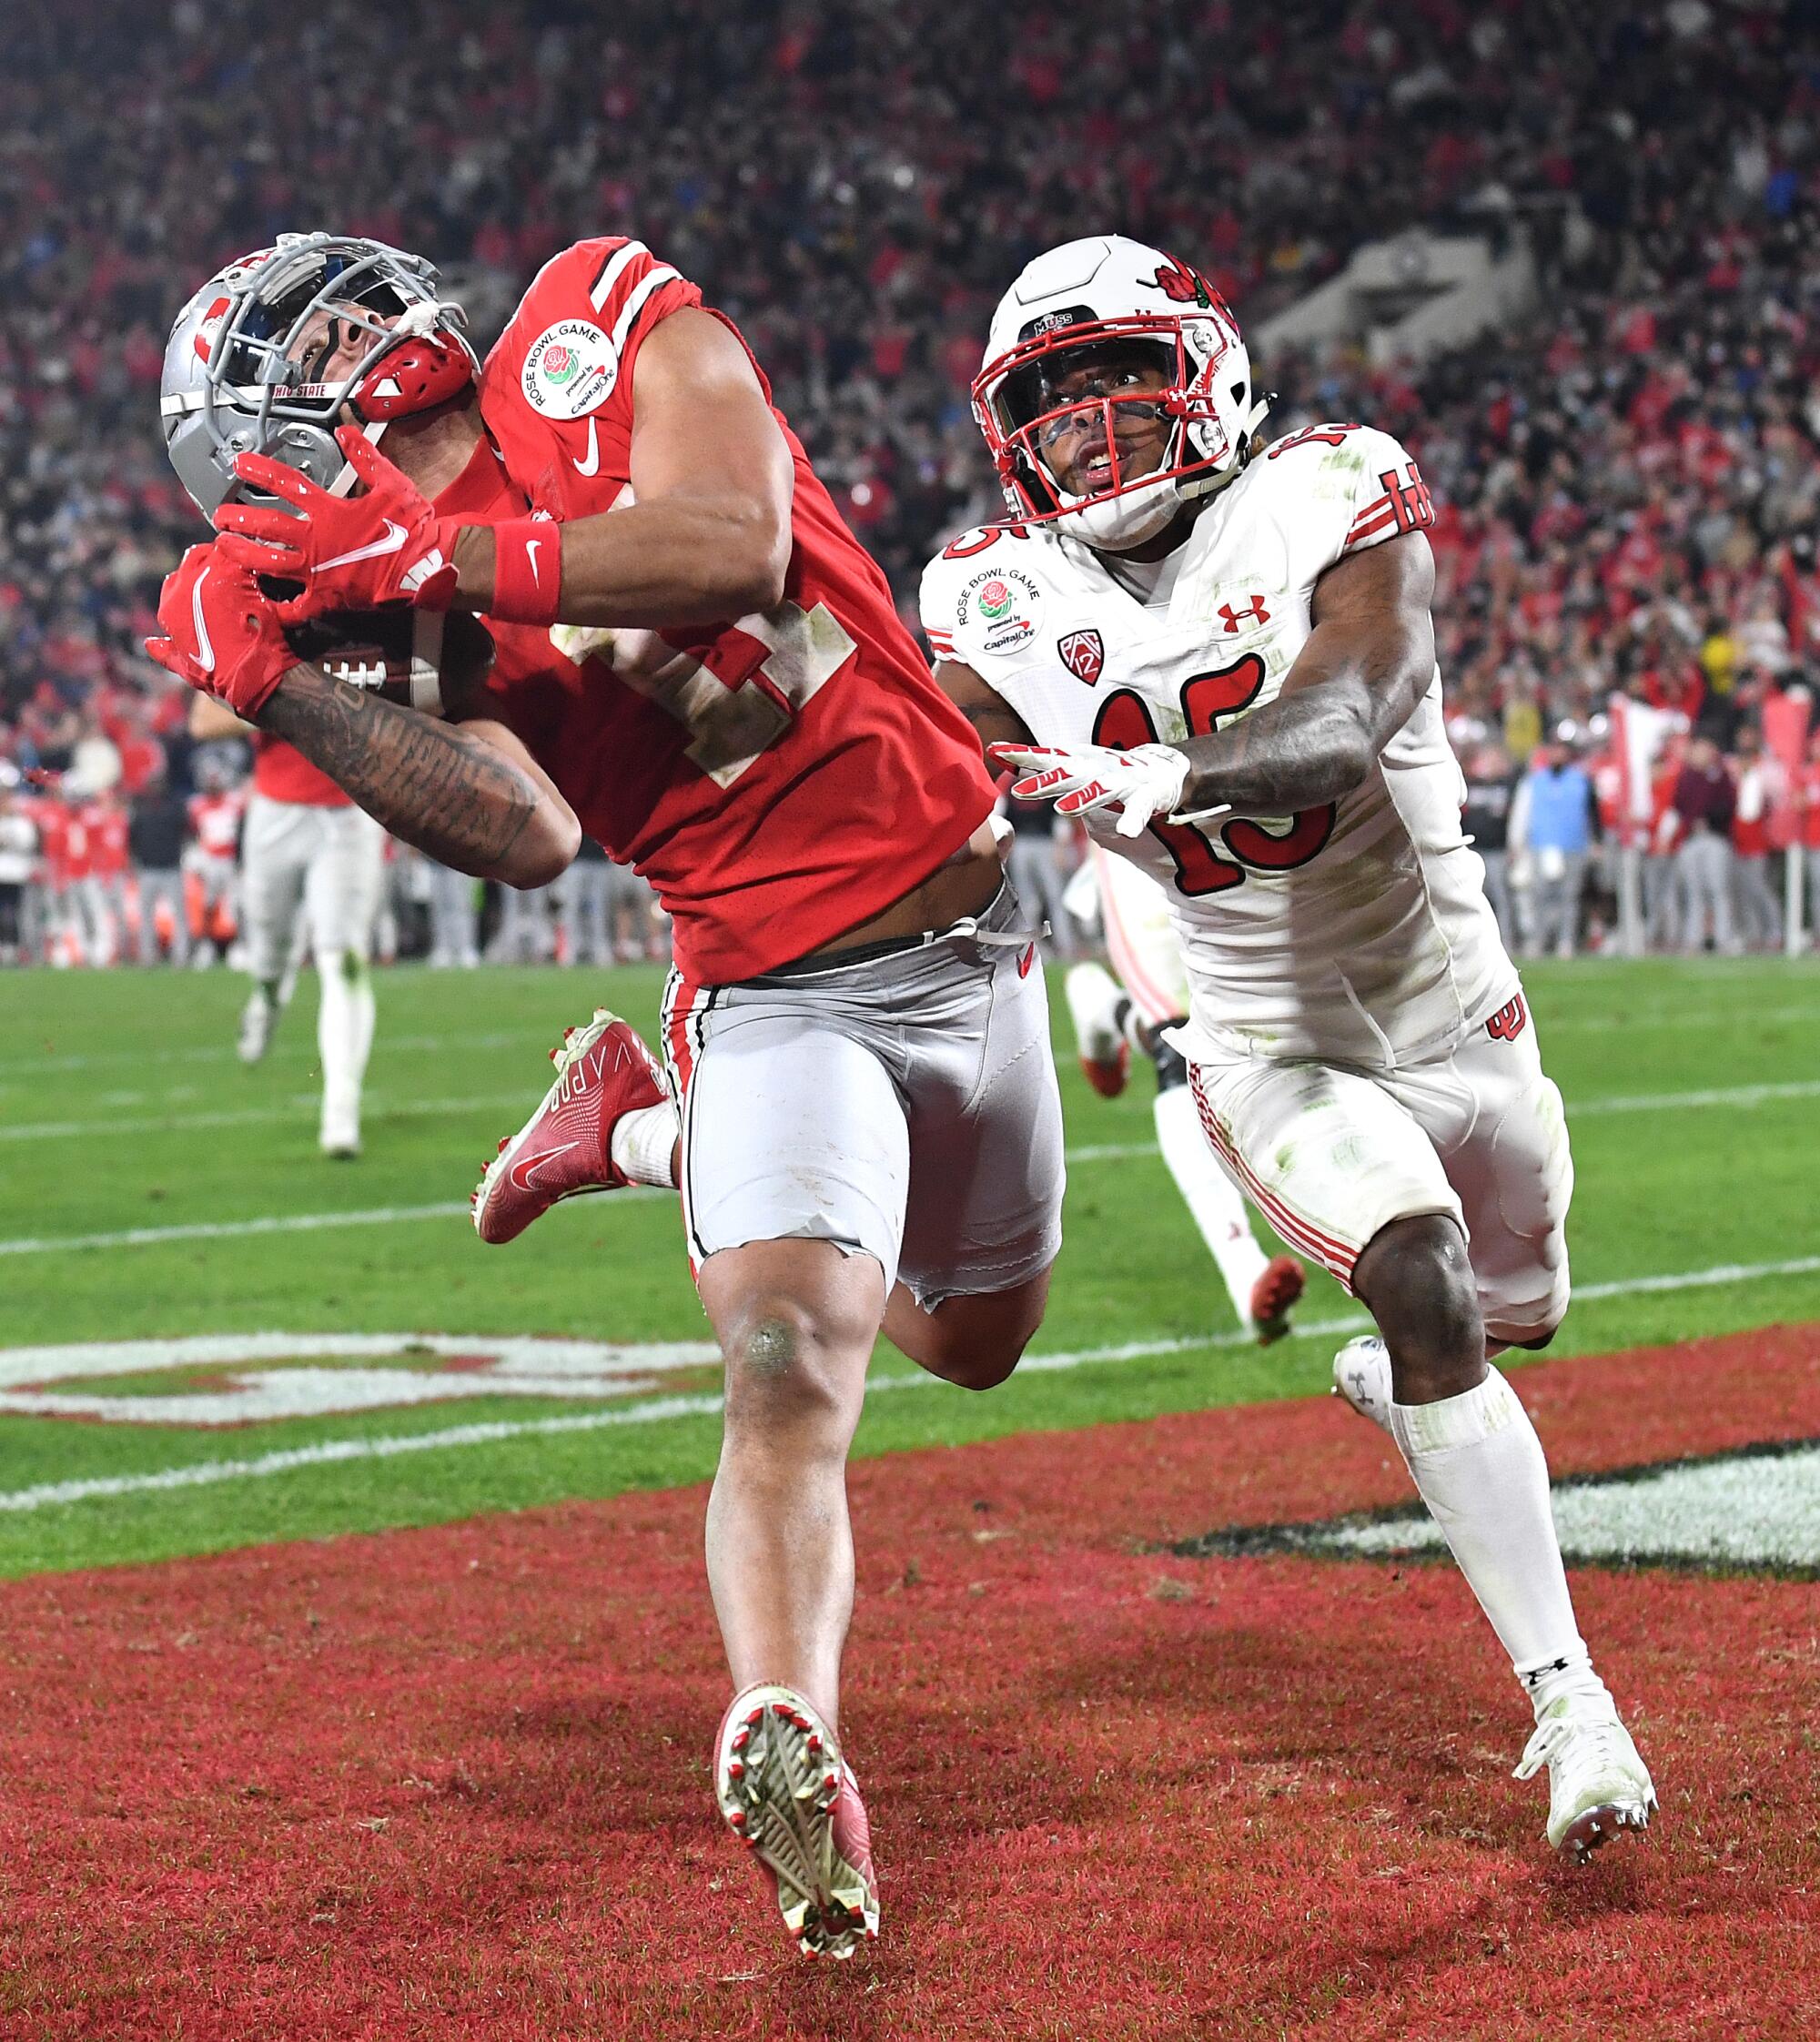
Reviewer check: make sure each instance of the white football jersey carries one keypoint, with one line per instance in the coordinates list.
(1356, 933)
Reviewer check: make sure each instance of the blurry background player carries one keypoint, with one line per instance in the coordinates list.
(307, 852)
(1111, 1017)
(212, 856)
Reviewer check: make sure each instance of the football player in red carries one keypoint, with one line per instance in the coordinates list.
(699, 666)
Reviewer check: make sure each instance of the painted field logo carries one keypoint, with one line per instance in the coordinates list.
(1751, 1507)
(246, 1378)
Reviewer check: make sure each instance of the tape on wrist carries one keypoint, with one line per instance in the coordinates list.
(527, 571)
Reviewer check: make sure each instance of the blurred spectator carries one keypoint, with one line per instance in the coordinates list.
(1491, 786)
(1627, 479)
(1553, 823)
(1756, 911)
(1705, 802)
(1810, 835)
(18, 852)
(156, 834)
(1035, 867)
(454, 919)
(584, 935)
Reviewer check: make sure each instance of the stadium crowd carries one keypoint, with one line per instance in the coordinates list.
(1627, 484)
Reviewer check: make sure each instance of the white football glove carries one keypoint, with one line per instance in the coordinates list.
(1141, 783)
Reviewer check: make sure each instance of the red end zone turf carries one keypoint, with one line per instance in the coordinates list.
(453, 1783)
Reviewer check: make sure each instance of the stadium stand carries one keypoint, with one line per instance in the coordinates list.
(1627, 481)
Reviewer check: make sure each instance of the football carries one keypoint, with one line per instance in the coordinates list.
(427, 660)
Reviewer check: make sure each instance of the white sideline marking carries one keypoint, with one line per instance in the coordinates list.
(329, 1451)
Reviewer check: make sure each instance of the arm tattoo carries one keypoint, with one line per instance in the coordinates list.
(1298, 751)
(450, 794)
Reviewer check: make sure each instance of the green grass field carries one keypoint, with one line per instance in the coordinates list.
(150, 1187)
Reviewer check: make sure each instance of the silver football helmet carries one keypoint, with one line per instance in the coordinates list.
(238, 373)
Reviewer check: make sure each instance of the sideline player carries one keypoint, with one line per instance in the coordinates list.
(1260, 729)
(1139, 1010)
(871, 1129)
(305, 851)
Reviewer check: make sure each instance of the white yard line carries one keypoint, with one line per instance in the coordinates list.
(302, 1106)
(45, 1495)
(298, 1048)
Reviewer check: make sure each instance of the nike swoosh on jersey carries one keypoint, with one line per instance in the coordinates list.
(591, 466)
(205, 652)
(394, 537)
(524, 1170)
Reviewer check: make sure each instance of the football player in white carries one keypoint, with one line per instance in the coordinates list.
(1141, 1009)
(1219, 655)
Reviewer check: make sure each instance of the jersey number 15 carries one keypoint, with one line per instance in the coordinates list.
(1125, 721)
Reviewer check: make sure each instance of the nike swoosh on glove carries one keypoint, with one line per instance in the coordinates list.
(220, 633)
(1144, 782)
(350, 553)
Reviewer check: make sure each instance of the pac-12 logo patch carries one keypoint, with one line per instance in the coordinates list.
(1083, 653)
(571, 369)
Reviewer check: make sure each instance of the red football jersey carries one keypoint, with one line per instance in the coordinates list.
(281, 772)
(106, 829)
(780, 778)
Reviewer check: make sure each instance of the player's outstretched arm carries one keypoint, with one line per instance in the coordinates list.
(1353, 686)
(707, 538)
(466, 794)
(470, 795)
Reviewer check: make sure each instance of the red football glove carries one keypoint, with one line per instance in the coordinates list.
(350, 553)
(220, 635)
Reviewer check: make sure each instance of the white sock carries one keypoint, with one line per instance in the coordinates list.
(1480, 1468)
(644, 1142)
(1210, 1197)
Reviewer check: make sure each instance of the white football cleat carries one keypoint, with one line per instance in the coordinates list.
(1597, 1783)
(1362, 1375)
(1095, 1008)
(792, 1800)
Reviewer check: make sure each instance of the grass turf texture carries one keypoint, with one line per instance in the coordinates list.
(121, 1107)
(453, 1783)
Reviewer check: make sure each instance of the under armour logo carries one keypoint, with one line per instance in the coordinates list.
(1254, 611)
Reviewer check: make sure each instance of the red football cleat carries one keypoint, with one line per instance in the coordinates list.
(1097, 1008)
(792, 1800)
(603, 1071)
(1283, 1282)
